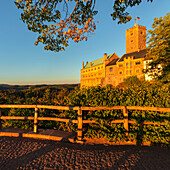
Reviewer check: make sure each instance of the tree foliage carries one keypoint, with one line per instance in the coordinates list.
(131, 81)
(159, 47)
(146, 94)
(56, 27)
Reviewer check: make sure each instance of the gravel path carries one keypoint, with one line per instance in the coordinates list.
(24, 153)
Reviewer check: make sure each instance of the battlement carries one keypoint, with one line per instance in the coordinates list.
(135, 38)
(112, 70)
(134, 27)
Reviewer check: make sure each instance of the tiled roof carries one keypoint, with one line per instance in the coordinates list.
(109, 56)
(97, 62)
(136, 55)
(113, 62)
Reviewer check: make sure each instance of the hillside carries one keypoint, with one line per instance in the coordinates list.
(25, 87)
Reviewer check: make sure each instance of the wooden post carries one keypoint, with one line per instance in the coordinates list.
(125, 114)
(0, 119)
(36, 121)
(80, 126)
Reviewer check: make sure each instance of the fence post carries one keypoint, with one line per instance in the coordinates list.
(36, 120)
(80, 126)
(0, 119)
(125, 114)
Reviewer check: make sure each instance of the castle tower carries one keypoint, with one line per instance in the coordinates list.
(135, 38)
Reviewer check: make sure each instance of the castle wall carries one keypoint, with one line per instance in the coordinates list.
(135, 39)
(111, 74)
(129, 65)
(93, 76)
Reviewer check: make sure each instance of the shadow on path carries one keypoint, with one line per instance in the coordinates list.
(24, 153)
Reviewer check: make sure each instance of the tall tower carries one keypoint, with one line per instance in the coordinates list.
(135, 38)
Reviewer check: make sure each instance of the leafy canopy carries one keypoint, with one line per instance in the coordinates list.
(131, 81)
(159, 47)
(56, 24)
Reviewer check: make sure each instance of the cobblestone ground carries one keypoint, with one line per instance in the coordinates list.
(24, 153)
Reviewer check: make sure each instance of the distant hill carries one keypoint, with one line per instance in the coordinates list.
(25, 87)
(4, 85)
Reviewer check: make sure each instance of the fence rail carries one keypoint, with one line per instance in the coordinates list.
(79, 110)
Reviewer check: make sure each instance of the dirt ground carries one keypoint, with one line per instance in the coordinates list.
(33, 154)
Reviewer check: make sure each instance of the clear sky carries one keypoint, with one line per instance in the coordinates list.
(23, 63)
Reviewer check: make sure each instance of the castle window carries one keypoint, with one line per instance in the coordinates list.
(101, 66)
(83, 75)
(131, 34)
(130, 64)
(137, 71)
(120, 72)
(91, 69)
(126, 72)
(98, 67)
(130, 71)
(137, 63)
(121, 65)
(111, 69)
(131, 40)
(94, 68)
(127, 64)
(141, 32)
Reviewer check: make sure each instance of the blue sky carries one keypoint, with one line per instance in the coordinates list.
(23, 63)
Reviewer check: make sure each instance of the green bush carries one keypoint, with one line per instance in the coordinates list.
(141, 94)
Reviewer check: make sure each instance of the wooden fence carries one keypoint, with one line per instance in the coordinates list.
(79, 110)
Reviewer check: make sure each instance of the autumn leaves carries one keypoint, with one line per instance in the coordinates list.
(55, 31)
(75, 31)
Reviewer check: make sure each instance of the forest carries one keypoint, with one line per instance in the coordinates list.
(140, 93)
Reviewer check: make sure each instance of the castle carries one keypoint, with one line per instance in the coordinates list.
(111, 69)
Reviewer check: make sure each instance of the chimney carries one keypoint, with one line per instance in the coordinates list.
(105, 58)
(90, 64)
(83, 64)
